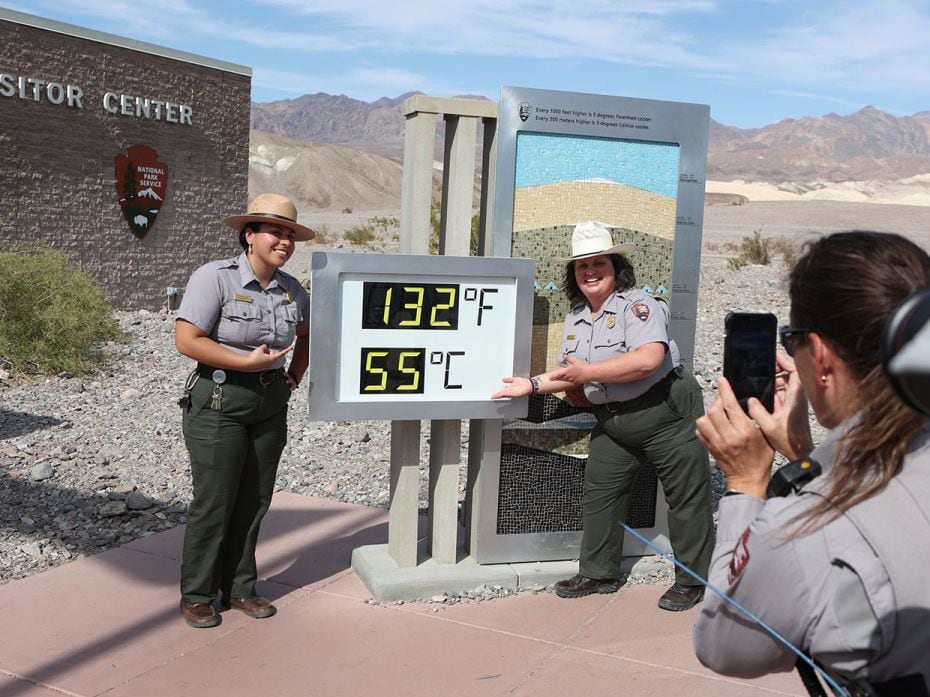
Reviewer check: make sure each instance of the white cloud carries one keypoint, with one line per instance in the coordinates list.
(180, 21)
(845, 51)
(840, 46)
(640, 32)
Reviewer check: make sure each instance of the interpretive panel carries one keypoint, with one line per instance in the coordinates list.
(563, 158)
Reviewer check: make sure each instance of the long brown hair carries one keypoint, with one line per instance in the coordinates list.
(624, 278)
(843, 288)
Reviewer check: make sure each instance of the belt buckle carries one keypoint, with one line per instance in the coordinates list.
(266, 377)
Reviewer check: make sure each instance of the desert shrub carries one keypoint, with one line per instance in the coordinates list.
(322, 235)
(435, 227)
(347, 210)
(754, 249)
(385, 226)
(53, 317)
(360, 235)
(787, 249)
(736, 262)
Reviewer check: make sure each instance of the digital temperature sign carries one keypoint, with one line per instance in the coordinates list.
(417, 337)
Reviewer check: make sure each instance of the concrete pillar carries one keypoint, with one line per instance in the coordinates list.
(417, 193)
(484, 445)
(488, 176)
(462, 118)
(444, 460)
(405, 492)
(458, 185)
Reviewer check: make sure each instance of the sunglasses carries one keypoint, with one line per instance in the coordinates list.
(788, 337)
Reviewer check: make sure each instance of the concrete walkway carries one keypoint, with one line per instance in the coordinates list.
(110, 624)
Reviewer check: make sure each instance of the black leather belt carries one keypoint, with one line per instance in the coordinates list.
(629, 404)
(235, 377)
(907, 686)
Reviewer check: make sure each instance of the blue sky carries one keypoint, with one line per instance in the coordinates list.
(753, 61)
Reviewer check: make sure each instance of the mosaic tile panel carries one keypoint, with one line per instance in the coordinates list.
(573, 202)
(544, 158)
(652, 261)
(541, 492)
(562, 180)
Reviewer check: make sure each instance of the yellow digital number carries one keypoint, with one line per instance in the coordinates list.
(442, 306)
(376, 371)
(402, 367)
(387, 306)
(418, 306)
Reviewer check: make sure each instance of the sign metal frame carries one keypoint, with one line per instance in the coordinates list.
(332, 273)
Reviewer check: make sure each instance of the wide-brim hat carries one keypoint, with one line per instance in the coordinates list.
(272, 208)
(592, 239)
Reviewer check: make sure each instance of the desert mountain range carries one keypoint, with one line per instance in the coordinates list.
(333, 153)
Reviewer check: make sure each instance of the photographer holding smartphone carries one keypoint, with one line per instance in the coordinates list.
(837, 566)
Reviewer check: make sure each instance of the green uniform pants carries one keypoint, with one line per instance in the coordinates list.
(659, 430)
(234, 453)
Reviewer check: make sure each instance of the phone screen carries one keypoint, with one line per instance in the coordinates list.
(749, 356)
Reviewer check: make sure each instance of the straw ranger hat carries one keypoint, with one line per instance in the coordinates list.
(272, 208)
(592, 238)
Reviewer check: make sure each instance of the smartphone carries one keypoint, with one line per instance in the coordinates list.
(749, 356)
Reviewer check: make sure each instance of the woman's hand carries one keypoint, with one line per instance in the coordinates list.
(739, 447)
(516, 387)
(788, 427)
(262, 358)
(574, 371)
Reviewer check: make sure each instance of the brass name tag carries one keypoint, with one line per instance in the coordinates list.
(243, 298)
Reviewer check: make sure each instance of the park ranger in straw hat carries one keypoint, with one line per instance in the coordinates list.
(239, 319)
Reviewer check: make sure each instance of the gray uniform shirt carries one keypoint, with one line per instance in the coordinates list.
(226, 301)
(829, 592)
(627, 321)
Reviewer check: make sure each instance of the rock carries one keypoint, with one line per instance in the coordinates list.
(137, 501)
(33, 549)
(111, 509)
(41, 472)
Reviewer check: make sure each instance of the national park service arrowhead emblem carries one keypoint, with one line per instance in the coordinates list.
(141, 183)
(524, 111)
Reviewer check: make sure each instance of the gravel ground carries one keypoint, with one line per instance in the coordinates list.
(88, 463)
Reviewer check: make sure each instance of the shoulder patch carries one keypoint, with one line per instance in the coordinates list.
(740, 557)
(640, 311)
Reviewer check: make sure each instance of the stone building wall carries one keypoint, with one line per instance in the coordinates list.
(58, 182)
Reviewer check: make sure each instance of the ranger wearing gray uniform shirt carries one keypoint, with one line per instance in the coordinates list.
(838, 569)
(238, 320)
(617, 350)
(841, 593)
